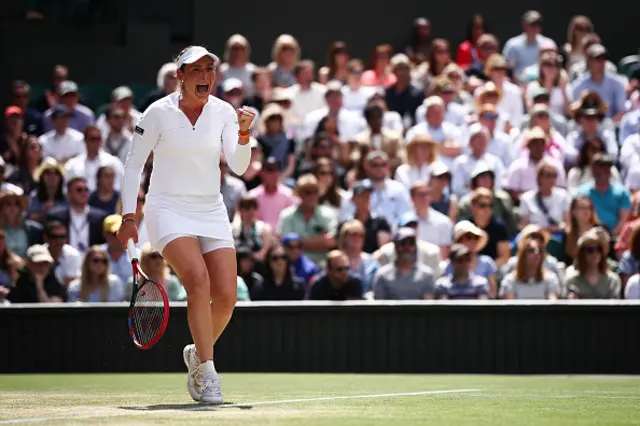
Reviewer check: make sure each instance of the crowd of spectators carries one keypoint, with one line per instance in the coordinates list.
(497, 169)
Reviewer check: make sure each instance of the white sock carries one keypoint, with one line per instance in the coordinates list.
(208, 367)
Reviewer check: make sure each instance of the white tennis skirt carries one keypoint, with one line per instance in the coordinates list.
(186, 214)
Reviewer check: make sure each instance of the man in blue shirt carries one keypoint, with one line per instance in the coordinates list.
(611, 200)
(522, 51)
(461, 283)
(303, 267)
(608, 86)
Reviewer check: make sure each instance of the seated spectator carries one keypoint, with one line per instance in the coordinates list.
(427, 253)
(249, 231)
(489, 94)
(630, 123)
(522, 50)
(231, 188)
(336, 284)
(96, 282)
(67, 260)
(405, 278)
(557, 147)
(307, 95)
(86, 164)
(354, 94)
(351, 242)
(582, 217)
(530, 280)
(498, 246)
(541, 96)
(455, 113)
(48, 193)
(272, 196)
(105, 197)
(468, 49)
(80, 116)
(543, 238)
(20, 233)
(20, 94)
(36, 281)
(167, 83)
(458, 79)
(433, 226)
(380, 137)
(389, 199)
(116, 134)
(447, 135)
(83, 222)
(461, 283)
(237, 63)
(630, 261)
(377, 231)
(29, 159)
(483, 177)
(390, 119)
(589, 113)
(10, 263)
(422, 155)
(274, 141)
(487, 45)
(119, 262)
(608, 86)
(466, 163)
(337, 63)
(10, 136)
(61, 142)
(247, 268)
(120, 117)
(579, 26)
(279, 282)
(611, 200)
(581, 174)
(315, 224)
(593, 279)
(154, 265)
(286, 53)
(50, 96)
(331, 195)
(442, 200)
(303, 267)
(242, 292)
(475, 239)
(521, 175)
(402, 96)
(579, 68)
(551, 78)
(511, 105)
(379, 73)
(548, 205)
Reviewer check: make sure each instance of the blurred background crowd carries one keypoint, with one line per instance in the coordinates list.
(492, 169)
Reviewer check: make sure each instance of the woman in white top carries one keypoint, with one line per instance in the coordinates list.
(186, 219)
(546, 206)
(552, 78)
(422, 153)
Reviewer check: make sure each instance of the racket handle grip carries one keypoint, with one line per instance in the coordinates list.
(131, 250)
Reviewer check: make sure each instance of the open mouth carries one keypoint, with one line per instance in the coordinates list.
(202, 89)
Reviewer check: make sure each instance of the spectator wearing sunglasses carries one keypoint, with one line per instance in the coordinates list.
(154, 265)
(530, 280)
(405, 278)
(498, 247)
(593, 278)
(67, 260)
(96, 282)
(461, 283)
(36, 281)
(542, 96)
(279, 281)
(337, 284)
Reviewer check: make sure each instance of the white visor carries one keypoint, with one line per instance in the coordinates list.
(194, 53)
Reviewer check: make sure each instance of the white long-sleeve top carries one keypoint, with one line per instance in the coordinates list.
(185, 157)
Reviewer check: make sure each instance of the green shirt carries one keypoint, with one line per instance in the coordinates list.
(607, 287)
(175, 290)
(324, 219)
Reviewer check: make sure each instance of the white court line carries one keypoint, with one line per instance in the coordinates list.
(238, 405)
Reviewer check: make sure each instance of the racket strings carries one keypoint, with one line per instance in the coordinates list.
(148, 312)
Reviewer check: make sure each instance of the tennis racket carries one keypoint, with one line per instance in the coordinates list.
(149, 307)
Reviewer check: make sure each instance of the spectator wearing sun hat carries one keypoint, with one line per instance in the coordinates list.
(36, 281)
(118, 259)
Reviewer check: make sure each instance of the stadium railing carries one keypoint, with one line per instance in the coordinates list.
(503, 337)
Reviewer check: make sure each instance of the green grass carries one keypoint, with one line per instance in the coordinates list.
(120, 399)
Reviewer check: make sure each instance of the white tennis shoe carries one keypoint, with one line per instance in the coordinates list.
(194, 375)
(211, 393)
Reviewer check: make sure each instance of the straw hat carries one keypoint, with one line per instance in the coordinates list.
(9, 195)
(46, 165)
(530, 231)
(535, 133)
(594, 235)
(489, 88)
(466, 227)
(589, 100)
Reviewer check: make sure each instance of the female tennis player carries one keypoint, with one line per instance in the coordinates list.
(185, 215)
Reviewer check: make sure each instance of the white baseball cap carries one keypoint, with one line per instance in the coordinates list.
(193, 53)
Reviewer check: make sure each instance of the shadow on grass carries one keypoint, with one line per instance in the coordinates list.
(185, 407)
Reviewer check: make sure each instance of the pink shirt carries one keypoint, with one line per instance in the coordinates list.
(270, 205)
(370, 78)
(521, 175)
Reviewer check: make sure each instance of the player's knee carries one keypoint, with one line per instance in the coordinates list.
(196, 281)
(226, 298)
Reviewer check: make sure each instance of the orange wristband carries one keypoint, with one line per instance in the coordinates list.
(244, 133)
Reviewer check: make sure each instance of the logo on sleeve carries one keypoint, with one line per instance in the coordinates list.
(139, 130)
